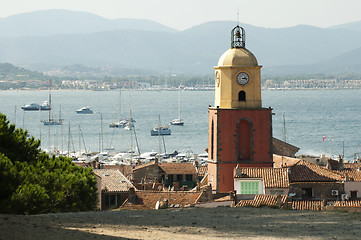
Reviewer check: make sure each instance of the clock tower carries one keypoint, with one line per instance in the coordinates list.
(240, 130)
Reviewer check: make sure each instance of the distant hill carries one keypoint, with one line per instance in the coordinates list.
(52, 22)
(10, 72)
(353, 26)
(56, 38)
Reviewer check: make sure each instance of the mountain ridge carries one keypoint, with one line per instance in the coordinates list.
(145, 44)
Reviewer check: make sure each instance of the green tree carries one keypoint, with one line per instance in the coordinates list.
(33, 182)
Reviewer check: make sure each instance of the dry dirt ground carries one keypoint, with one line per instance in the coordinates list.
(186, 223)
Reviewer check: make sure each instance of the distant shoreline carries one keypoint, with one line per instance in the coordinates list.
(175, 89)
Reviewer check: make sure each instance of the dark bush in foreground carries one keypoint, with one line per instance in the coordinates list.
(31, 182)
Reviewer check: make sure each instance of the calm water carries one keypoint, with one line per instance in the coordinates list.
(309, 115)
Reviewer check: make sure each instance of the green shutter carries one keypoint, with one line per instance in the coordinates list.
(249, 187)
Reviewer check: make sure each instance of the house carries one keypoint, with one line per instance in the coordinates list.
(249, 182)
(114, 187)
(310, 181)
(352, 175)
(170, 174)
(302, 181)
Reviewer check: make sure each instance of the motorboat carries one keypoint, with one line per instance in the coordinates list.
(162, 130)
(36, 107)
(123, 123)
(84, 110)
(120, 124)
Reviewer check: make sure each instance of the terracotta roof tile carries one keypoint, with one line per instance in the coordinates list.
(268, 200)
(353, 175)
(314, 205)
(304, 171)
(272, 177)
(113, 180)
(148, 199)
(350, 203)
(178, 168)
(352, 165)
(143, 165)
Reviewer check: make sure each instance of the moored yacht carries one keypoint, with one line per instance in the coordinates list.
(36, 107)
(84, 110)
(163, 130)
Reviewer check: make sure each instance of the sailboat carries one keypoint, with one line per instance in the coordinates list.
(178, 121)
(52, 121)
(122, 123)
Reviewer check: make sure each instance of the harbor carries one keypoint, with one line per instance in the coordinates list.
(306, 123)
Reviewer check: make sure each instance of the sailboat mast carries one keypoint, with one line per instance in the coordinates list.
(284, 128)
(159, 129)
(101, 131)
(179, 104)
(49, 98)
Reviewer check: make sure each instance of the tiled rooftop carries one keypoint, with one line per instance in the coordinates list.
(178, 168)
(314, 205)
(272, 177)
(148, 199)
(352, 165)
(172, 168)
(143, 165)
(350, 203)
(304, 171)
(113, 180)
(268, 200)
(353, 175)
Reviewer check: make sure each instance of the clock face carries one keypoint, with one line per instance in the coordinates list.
(242, 78)
(217, 79)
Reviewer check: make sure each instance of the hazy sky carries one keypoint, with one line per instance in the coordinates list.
(187, 13)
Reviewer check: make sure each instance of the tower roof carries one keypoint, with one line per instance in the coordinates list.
(238, 57)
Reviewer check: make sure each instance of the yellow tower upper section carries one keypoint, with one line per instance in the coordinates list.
(238, 76)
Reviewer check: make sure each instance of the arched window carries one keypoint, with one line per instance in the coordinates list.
(244, 140)
(242, 96)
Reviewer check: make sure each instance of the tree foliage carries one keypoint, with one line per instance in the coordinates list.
(32, 182)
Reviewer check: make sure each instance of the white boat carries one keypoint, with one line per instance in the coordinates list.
(84, 110)
(121, 124)
(129, 126)
(178, 121)
(36, 107)
(160, 130)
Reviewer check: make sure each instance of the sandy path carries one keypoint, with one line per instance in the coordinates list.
(188, 223)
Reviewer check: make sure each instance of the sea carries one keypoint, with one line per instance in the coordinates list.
(316, 121)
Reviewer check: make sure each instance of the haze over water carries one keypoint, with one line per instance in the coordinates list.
(309, 115)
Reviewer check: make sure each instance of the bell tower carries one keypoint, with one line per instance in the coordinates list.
(240, 129)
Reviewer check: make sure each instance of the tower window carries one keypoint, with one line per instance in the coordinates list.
(242, 96)
(244, 141)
